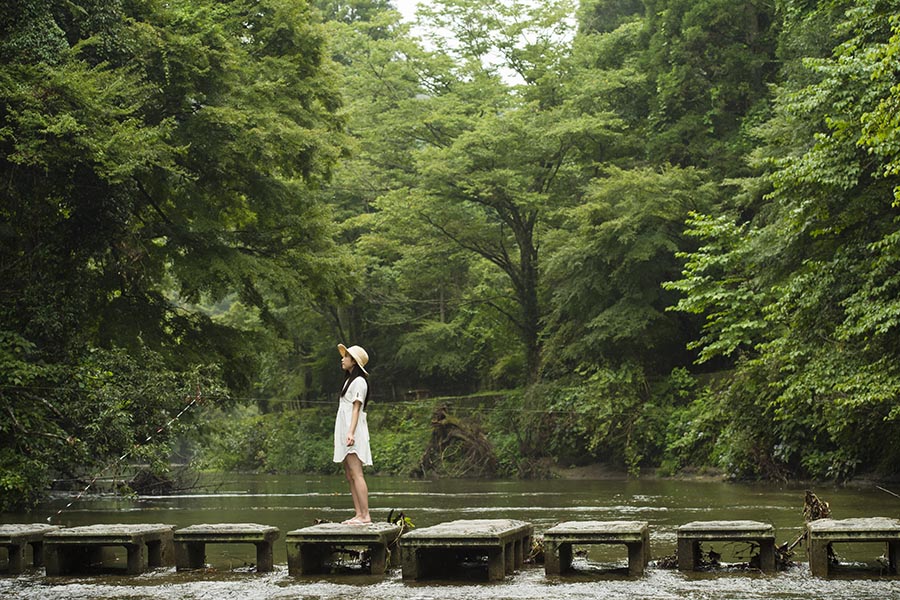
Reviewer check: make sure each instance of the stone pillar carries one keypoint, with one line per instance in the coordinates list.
(310, 558)
(264, 556)
(509, 550)
(636, 555)
(409, 563)
(767, 555)
(893, 556)
(496, 564)
(37, 551)
(565, 557)
(551, 558)
(378, 558)
(190, 555)
(293, 558)
(17, 557)
(137, 558)
(818, 557)
(647, 555)
(166, 555)
(688, 553)
(155, 554)
(52, 560)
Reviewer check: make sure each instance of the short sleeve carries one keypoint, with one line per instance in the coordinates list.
(357, 390)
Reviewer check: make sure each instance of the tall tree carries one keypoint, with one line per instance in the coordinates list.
(153, 156)
(500, 142)
(805, 292)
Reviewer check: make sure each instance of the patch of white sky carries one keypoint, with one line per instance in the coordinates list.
(407, 8)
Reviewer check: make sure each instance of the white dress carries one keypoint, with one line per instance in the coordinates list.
(356, 392)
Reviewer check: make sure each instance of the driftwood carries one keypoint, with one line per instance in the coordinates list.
(535, 554)
(814, 509)
(888, 491)
(147, 483)
(458, 448)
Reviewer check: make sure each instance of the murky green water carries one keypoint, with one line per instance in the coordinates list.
(294, 502)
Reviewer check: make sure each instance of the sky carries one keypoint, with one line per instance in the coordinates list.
(406, 7)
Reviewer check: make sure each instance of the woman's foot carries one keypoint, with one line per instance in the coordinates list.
(356, 521)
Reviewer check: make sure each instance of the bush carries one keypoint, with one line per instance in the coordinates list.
(400, 434)
(617, 417)
(23, 481)
(301, 441)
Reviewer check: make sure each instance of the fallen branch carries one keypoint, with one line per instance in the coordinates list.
(813, 510)
(888, 491)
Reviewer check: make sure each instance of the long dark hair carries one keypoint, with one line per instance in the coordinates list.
(352, 374)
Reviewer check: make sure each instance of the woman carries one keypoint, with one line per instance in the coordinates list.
(351, 432)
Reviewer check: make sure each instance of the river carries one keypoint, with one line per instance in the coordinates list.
(292, 502)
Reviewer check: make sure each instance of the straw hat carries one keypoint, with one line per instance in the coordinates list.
(357, 354)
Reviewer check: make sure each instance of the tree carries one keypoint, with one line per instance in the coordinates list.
(499, 153)
(711, 62)
(606, 269)
(154, 157)
(805, 291)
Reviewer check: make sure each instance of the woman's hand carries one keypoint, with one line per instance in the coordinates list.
(350, 439)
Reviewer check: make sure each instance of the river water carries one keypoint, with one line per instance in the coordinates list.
(292, 502)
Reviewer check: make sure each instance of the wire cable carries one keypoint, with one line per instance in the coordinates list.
(196, 399)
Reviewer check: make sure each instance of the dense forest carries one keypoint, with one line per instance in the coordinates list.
(657, 234)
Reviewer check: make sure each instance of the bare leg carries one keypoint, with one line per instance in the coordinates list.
(358, 488)
(348, 474)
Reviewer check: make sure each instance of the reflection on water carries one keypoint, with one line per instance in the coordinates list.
(293, 502)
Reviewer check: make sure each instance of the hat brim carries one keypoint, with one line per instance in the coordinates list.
(344, 352)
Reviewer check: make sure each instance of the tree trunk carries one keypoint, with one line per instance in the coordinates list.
(526, 285)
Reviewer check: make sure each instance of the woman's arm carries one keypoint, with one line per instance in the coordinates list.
(354, 419)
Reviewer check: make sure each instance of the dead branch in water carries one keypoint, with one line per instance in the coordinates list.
(814, 509)
(888, 491)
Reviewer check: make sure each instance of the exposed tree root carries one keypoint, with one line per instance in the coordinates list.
(458, 448)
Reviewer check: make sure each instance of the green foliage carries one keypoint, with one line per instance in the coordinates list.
(525, 432)
(302, 441)
(778, 217)
(479, 163)
(720, 282)
(155, 157)
(615, 416)
(23, 480)
(76, 421)
(216, 193)
(607, 15)
(692, 434)
(614, 251)
(788, 289)
(711, 61)
(400, 434)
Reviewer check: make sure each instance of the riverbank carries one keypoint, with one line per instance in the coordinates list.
(598, 471)
(474, 437)
(890, 487)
